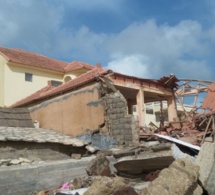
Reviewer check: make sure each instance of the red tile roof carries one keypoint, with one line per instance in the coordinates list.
(41, 61)
(75, 65)
(32, 59)
(171, 80)
(53, 91)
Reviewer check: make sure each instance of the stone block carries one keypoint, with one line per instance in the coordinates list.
(115, 121)
(127, 126)
(117, 99)
(113, 116)
(120, 105)
(109, 100)
(128, 138)
(122, 120)
(120, 126)
(99, 166)
(120, 115)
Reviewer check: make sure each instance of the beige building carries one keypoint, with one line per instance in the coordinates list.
(23, 73)
(152, 111)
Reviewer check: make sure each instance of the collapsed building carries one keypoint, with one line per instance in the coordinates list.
(95, 112)
(99, 100)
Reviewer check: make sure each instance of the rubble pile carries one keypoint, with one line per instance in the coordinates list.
(138, 174)
(194, 126)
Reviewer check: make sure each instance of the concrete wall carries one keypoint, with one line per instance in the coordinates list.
(74, 113)
(16, 86)
(22, 180)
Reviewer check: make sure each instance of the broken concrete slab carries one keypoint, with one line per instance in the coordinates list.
(147, 162)
(118, 153)
(180, 178)
(39, 135)
(46, 175)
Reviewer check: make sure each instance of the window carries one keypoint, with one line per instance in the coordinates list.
(55, 83)
(28, 77)
(149, 111)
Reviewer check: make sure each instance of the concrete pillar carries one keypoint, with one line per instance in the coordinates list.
(140, 107)
(130, 106)
(172, 108)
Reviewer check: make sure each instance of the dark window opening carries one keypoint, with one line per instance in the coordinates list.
(55, 83)
(28, 77)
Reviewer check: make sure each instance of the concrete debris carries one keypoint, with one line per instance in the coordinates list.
(180, 178)
(76, 156)
(105, 186)
(150, 161)
(206, 161)
(39, 136)
(9, 162)
(99, 166)
(125, 191)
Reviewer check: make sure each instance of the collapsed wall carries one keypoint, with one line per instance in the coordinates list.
(120, 124)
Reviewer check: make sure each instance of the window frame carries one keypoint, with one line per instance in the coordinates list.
(28, 77)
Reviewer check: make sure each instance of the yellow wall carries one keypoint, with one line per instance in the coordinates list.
(16, 88)
(2, 65)
(75, 113)
(75, 73)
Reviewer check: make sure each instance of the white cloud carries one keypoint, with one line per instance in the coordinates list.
(161, 49)
(131, 65)
(143, 49)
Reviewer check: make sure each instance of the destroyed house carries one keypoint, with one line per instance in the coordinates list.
(99, 100)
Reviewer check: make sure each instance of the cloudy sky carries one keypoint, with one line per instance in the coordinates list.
(144, 38)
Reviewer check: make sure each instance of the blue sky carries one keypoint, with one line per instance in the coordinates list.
(137, 37)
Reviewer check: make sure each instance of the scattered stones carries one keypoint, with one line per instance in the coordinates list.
(91, 149)
(9, 162)
(77, 183)
(5, 162)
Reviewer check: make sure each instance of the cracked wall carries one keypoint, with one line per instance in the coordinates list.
(96, 108)
(72, 113)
